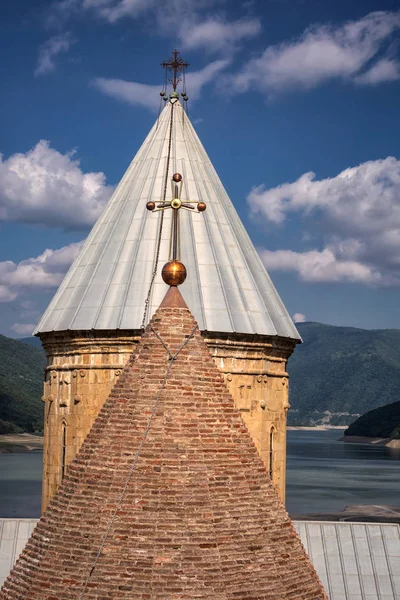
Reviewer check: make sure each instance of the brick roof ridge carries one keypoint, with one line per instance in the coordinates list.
(173, 299)
(200, 518)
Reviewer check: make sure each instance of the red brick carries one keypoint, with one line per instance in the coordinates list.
(200, 518)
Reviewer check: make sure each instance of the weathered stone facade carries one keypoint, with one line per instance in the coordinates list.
(83, 367)
(254, 369)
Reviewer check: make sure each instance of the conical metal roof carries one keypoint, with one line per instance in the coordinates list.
(227, 288)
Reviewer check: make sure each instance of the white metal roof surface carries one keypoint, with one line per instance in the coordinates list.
(355, 561)
(14, 533)
(227, 288)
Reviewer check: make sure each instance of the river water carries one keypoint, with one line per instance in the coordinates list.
(323, 476)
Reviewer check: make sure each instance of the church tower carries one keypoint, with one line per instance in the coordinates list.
(114, 286)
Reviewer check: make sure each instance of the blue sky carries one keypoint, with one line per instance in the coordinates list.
(296, 102)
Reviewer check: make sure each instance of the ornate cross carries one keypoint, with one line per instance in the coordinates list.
(174, 272)
(176, 65)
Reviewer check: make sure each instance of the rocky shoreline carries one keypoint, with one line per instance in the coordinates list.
(20, 442)
(360, 439)
(317, 428)
(27, 442)
(357, 513)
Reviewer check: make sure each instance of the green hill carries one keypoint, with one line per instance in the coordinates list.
(32, 341)
(382, 422)
(21, 386)
(339, 373)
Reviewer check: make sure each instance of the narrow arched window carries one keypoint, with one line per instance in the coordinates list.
(63, 449)
(271, 452)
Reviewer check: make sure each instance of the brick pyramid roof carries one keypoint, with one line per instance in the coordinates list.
(199, 518)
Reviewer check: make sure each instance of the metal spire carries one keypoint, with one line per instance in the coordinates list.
(228, 289)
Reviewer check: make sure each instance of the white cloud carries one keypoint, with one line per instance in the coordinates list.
(137, 94)
(322, 53)
(167, 14)
(196, 80)
(28, 310)
(114, 10)
(6, 295)
(187, 19)
(23, 328)
(148, 96)
(218, 35)
(27, 305)
(47, 187)
(41, 273)
(322, 267)
(383, 70)
(366, 196)
(355, 216)
(50, 50)
(299, 318)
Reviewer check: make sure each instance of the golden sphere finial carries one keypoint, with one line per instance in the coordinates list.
(173, 272)
(177, 177)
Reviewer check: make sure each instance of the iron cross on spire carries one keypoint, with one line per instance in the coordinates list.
(174, 272)
(176, 65)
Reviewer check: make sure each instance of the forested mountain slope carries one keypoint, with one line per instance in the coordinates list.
(21, 386)
(342, 370)
(382, 422)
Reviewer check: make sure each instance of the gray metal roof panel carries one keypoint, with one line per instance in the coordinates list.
(227, 289)
(355, 561)
(14, 533)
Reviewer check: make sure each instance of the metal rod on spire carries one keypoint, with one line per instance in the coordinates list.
(175, 229)
(174, 272)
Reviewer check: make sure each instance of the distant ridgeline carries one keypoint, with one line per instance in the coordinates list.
(21, 386)
(338, 374)
(382, 422)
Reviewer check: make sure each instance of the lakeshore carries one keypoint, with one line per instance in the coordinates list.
(360, 439)
(357, 513)
(318, 428)
(20, 442)
(27, 442)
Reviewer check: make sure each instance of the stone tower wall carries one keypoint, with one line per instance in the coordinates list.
(83, 367)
